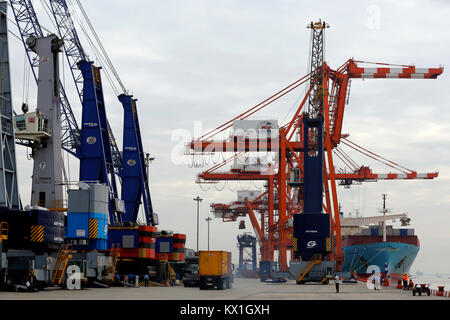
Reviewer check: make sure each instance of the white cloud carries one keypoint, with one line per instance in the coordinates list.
(205, 60)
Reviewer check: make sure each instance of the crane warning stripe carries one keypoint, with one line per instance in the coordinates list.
(93, 228)
(146, 253)
(37, 234)
(328, 244)
(400, 73)
(388, 176)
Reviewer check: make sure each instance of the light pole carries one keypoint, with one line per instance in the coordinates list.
(147, 162)
(198, 199)
(208, 220)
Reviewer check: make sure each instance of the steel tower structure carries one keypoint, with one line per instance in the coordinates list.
(9, 193)
(47, 188)
(247, 254)
(312, 244)
(306, 177)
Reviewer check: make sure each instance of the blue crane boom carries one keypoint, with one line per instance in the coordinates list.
(75, 54)
(130, 168)
(135, 180)
(94, 144)
(96, 163)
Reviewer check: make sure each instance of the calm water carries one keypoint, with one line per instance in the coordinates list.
(433, 280)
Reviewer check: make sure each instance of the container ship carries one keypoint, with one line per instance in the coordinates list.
(369, 241)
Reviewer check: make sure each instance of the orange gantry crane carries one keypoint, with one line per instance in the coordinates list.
(323, 105)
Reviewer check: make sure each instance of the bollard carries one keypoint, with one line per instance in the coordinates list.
(440, 291)
(399, 284)
(136, 283)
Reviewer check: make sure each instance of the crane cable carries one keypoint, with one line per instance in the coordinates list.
(48, 11)
(105, 54)
(95, 50)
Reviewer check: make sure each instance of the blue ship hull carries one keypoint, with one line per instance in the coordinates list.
(396, 255)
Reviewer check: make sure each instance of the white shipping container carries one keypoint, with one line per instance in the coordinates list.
(218, 214)
(255, 128)
(250, 194)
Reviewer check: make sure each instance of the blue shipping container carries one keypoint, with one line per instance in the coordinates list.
(77, 225)
(125, 238)
(164, 245)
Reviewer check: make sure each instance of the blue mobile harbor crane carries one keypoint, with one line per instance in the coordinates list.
(31, 236)
(100, 159)
(96, 148)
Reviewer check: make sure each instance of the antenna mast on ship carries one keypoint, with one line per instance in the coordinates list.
(384, 211)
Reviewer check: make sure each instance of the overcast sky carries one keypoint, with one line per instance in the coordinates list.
(208, 61)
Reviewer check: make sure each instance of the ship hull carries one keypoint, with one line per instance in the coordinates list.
(398, 256)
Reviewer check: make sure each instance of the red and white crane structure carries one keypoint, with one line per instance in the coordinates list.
(327, 91)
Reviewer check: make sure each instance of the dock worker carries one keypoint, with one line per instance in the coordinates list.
(131, 278)
(376, 282)
(337, 281)
(405, 281)
(411, 284)
(28, 284)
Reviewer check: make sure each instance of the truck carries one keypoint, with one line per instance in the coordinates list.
(190, 272)
(215, 270)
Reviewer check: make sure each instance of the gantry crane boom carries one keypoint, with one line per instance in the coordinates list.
(354, 69)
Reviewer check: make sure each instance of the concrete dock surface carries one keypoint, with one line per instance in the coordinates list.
(243, 289)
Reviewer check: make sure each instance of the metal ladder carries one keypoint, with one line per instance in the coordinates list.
(3, 231)
(64, 254)
(115, 254)
(309, 267)
(171, 275)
